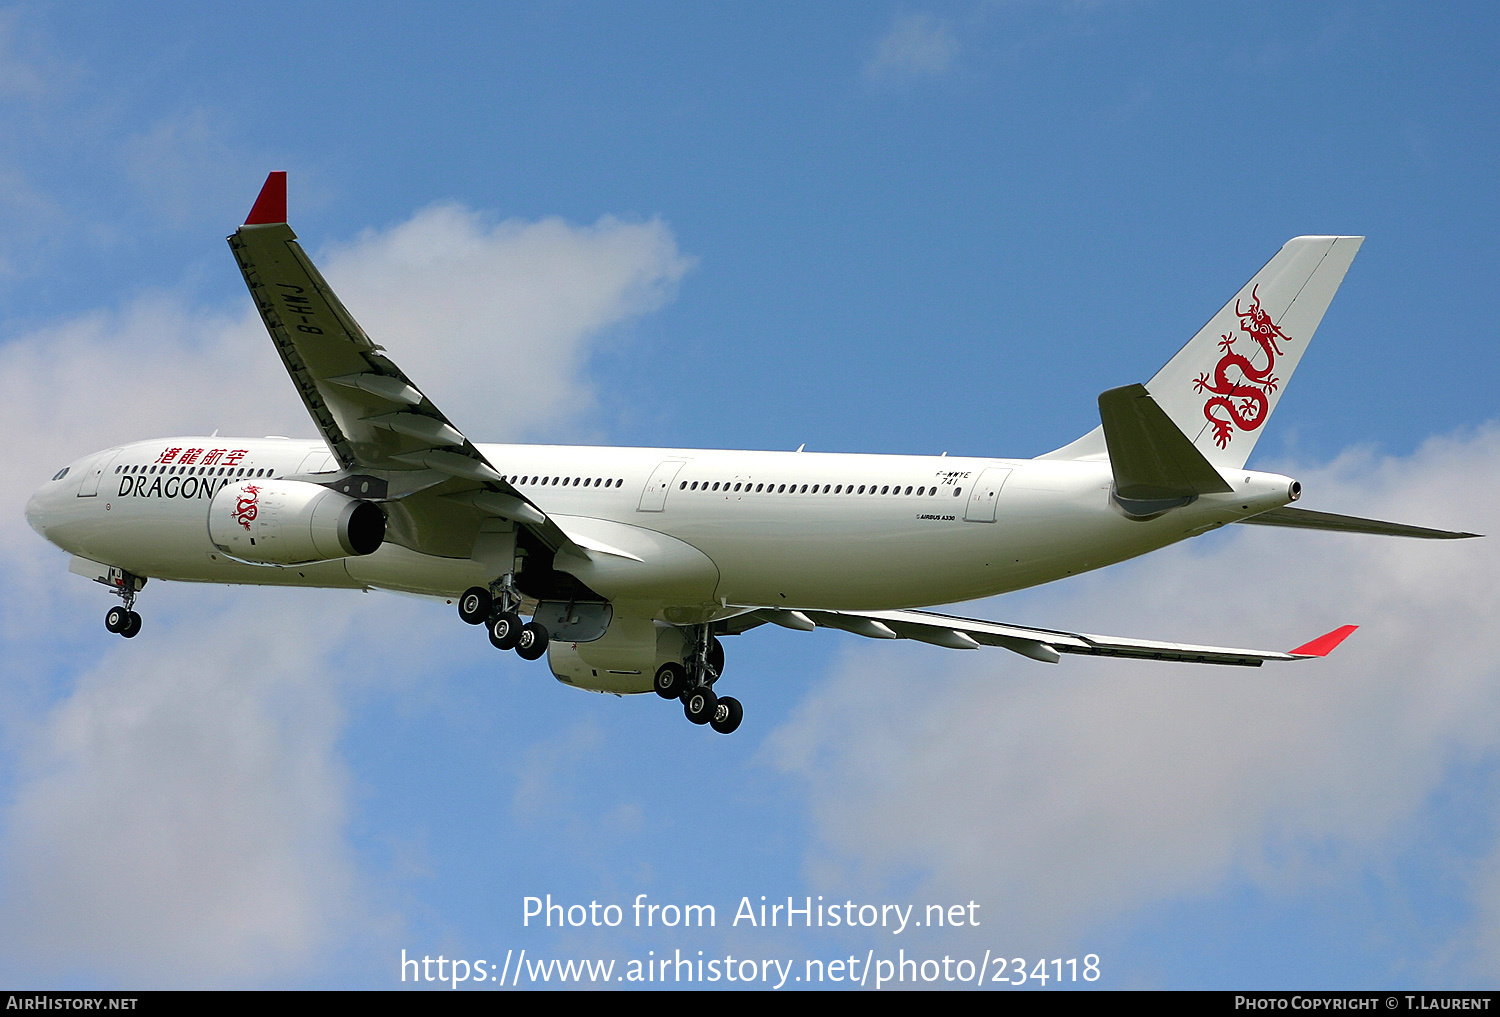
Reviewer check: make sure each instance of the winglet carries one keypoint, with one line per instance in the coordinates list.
(1325, 644)
(270, 207)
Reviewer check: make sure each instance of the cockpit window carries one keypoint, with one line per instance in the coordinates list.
(60, 473)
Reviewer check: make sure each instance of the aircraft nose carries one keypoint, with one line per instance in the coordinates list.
(36, 513)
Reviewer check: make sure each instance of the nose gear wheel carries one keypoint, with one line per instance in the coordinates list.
(122, 618)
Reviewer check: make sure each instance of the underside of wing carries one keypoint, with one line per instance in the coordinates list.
(1046, 645)
(389, 439)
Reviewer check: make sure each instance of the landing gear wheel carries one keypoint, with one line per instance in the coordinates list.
(132, 626)
(533, 641)
(505, 631)
(116, 618)
(699, 704)
(727, 715)
(474, 605)
(671, 679)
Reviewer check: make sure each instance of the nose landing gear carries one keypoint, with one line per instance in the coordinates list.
(122, 619)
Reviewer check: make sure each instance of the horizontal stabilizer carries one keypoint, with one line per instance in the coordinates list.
(1156, 467)
(1307, 519)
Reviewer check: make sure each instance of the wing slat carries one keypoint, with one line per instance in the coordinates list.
(373, 419)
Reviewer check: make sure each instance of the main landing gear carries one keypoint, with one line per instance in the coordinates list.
(495, 609)
(692, 683)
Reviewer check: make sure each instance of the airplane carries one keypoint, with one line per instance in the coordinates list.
(631, 563)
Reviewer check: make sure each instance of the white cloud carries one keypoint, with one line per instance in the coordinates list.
(917, 44)
(1072, 796)
(177, 814)
(494, 322)
(179, 818)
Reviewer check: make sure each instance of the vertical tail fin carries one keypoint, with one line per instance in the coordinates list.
(1222, 386)
(1224, 383)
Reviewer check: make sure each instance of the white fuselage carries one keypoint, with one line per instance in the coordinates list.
(683, 535)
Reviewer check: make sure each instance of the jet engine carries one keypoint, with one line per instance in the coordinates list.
(290, 522)
(623, 660)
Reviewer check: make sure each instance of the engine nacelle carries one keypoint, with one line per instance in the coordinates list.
(290, 522)
(623, 660)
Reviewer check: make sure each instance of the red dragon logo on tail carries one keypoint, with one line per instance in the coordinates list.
(1242, 399)
(247, 508)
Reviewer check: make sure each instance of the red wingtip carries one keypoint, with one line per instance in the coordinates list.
(270, 207)
(1325, 644)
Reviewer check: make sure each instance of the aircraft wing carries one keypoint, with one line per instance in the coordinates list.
(373, 418)
(1046, 645)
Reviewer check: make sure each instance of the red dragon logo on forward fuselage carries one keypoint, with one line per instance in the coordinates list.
(1242, 401)
(246, 509)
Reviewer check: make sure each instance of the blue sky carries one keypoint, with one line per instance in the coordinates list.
(902, 228)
